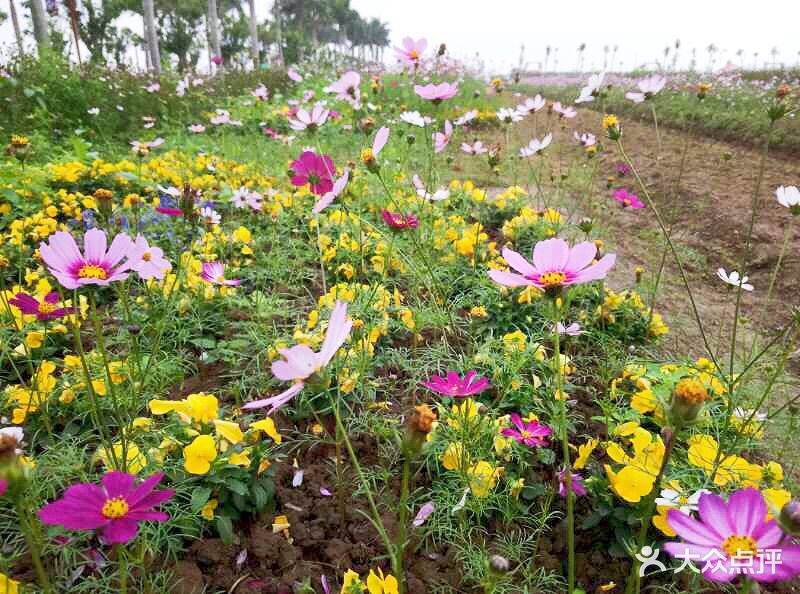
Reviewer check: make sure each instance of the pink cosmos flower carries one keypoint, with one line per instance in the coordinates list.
(347, 88)
(574, 329)
(260, 93)
(536, 146)
(294, 75)
(530, 433)
(586, 139)
(96, 266)
(172, 212)
(115, 507)
(736, 537)
(397, 220)
(411, 52)
(148, 261)
(153, 87)
(442, 139)
(214, 273)
(328, 197)
(315, 170)
(589, 92)
(303, 120)
(648, 86)
(44, 310)
(474, 149)
(532, 105)
(380, 140)
(555, 265)
(196, 128)
(564, 112)
(577, 484)
(466, 118)
(457, 387)
(143, 148)
(300, 362)
(627, 199)
(423, 513)
(437, 93)
(217, 60)
(3, 487)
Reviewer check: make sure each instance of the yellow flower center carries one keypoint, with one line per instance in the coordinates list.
(552, 279)
(413, 54)
(115, 508)
(46, 308)
(220, 279)
(526, 434)
(146, 256)
(92, 271)
(367, 156)
(739, 546)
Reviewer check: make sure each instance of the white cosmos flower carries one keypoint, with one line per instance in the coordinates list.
(788, 196)
(677, 500)
(415, 119)
(733, 279)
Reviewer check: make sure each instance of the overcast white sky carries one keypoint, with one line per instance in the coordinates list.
(496, 29)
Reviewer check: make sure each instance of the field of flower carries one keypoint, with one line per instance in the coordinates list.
(735, 109)
(352, 329)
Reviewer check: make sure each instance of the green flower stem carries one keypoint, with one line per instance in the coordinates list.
(564, 431)
(33, 539)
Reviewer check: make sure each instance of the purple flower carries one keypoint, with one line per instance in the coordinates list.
(315, 170)
(115, 507)
(148, 261)
(346, 88)
(437, 93)
(457, 387)
(214, 273)
(45, 309)
(574, 329)
(577, 484)
(96, 266)
(555, 265)
(328, 197)
(529, 433)
(423, 513)
(737, 536)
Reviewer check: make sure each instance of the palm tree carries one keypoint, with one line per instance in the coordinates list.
(151, 36)
(40, 31)
(15, 22)
(254, 53)
(213, 29)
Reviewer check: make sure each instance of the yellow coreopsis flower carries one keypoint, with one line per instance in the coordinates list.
(208, 509)
(199, 454)
(584, 451)
(454, 457)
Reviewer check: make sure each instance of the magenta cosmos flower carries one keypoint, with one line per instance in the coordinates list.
(214, 273)
(148, 261)
(398, 220)
(627, 199)
(96, 266)
(555, 265)
(300, 362)
(529, 433)
(115, 507)
(437, 93)
(458, 387)
(46, 309)
(411, 52)
(315, 170)
(734, 538)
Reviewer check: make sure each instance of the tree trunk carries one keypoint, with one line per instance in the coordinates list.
(213, 29)
(73, 17)
(279, 34)
(254, 53)
(40, 30)
(151, 36)
(15, 22)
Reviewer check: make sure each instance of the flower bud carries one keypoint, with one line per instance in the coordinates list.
(499, 563)
(688, 397)
(586, 225)
(789, 518)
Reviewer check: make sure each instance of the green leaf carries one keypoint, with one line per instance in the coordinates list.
(225, 529)
(200, 497)
(237, 487)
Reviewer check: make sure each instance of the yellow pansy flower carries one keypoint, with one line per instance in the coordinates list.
(380, 584)
(229, 430)
(267, 425)
(199, 454)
